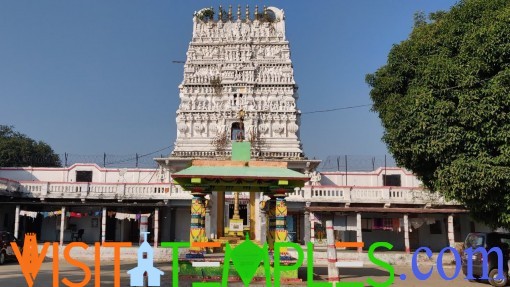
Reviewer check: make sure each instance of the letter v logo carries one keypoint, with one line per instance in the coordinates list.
(30, 262)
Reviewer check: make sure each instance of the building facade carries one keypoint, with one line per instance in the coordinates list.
(238, 86)
(54, 203)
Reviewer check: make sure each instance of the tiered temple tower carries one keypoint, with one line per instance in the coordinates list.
(238, 67)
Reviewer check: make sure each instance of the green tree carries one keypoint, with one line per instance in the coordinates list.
(17, 149)
(443, 98)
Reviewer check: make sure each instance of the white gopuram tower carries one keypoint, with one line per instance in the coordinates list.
(238, 65)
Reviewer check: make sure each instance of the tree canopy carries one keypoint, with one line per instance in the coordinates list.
(443, 98)
(17, 149)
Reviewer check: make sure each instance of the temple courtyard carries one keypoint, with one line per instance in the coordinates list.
(10, 275)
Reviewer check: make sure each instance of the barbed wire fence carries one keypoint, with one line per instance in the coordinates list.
(356, 163)
(340, 163)
(135, 160)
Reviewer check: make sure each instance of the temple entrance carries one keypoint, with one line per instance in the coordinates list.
(234, 185)
(243, 213)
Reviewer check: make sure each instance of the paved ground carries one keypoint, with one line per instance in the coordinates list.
(10, 276)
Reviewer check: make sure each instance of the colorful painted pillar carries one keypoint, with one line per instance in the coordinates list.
(281, 232)
(197, 227)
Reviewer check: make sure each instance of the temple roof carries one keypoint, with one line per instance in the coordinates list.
(208, 175)
(241, 172)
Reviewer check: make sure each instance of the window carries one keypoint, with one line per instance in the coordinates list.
(391, 180)
(474, 241)
(83, 176)
(435, 228)
(237, 133)
(382, 224)
(366, 224)
(388, 223)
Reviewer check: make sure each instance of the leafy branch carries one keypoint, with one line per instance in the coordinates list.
(257, 142)
(220, 141)
(205, 14)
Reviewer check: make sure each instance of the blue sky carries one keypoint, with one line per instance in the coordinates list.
(97, 76)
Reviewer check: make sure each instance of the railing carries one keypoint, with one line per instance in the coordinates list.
(7, 185)
(179, 193)
(227, 153)
(66, 188)
(119, 191)
(167, 191)
(35, 188)
(385, 195)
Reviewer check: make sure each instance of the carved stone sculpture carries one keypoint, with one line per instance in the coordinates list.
(232, 65)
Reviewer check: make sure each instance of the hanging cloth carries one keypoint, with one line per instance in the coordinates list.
(416, 222)
(396, 224)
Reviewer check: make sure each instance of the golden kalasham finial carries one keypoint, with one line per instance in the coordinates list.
(220, 13)
(238, 12)
(247, 13)
(230, 12)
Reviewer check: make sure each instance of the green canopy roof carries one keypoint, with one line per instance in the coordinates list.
(248, 172)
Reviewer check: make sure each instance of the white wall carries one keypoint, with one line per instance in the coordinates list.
(49, 229)
(372, 178)
(435, 242)
(182, 224)
(394, 237)
(111, 175)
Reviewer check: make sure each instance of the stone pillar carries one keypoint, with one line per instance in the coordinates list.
(220, 213)
(16, 222)
(307, 223)
(271, 223)
(214, 216)
(312, 227)
(62, 223)
(256, 216)
(103, 225)
(451, 234)
(359, 234)
(156, 227)
(406, 233)
(236, 205)
(144, 227)
(207, 220)
(263, 225)
(251, 216)
(197, 231)
(332, 269)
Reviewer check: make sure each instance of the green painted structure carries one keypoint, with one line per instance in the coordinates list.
(241, 151)
(273, 178)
